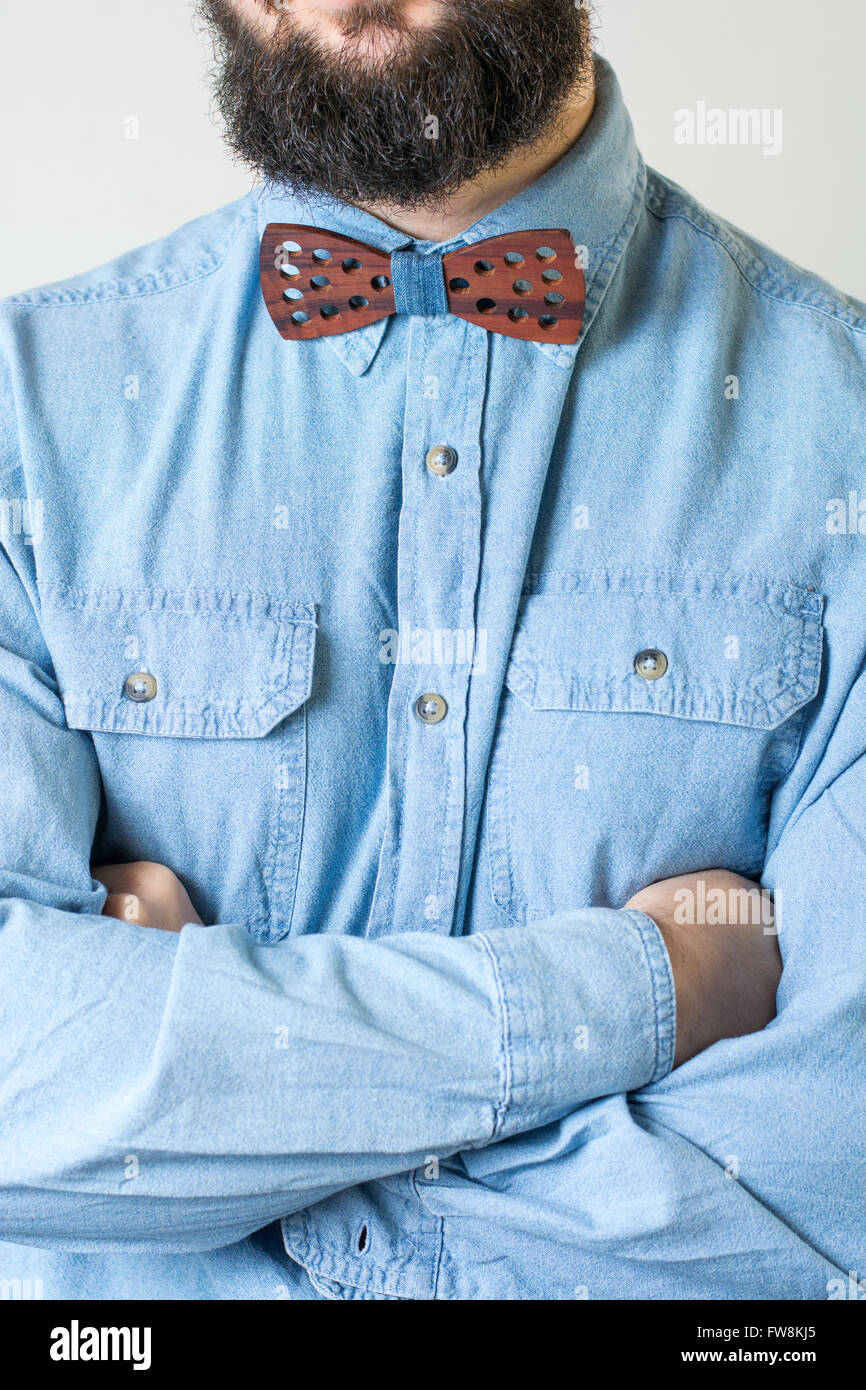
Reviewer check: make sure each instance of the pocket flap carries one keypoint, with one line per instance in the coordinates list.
(738, 650)
(224, 665)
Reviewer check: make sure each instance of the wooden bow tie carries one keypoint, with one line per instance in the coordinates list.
(527, 285)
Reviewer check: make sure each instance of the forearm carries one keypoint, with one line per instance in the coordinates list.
(181, 1091)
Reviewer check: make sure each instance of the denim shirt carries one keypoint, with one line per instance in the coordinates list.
(420, 1050)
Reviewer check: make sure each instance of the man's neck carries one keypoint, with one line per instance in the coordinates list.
(477, 199)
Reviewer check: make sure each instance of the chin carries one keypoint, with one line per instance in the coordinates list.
(354, 22)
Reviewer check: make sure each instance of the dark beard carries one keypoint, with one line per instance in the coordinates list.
(489, 78)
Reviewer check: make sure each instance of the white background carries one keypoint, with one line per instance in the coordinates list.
(75, 191)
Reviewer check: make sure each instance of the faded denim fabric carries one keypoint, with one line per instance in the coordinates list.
(424, 1053)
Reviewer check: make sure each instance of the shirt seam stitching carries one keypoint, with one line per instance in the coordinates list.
(775, 296)
(93, 297)
(505, 1041)
(656, 972)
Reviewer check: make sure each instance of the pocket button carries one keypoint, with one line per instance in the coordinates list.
(650, 664)
(140, 687)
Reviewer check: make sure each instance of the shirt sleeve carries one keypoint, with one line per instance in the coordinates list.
(176, 1092)
(742, 1170)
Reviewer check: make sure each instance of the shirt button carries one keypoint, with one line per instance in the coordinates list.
(431, 709)
(140, 686)
(651, 664)
(442, 460)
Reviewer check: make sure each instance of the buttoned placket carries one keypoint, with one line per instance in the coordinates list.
(439, 554)
(436, 771)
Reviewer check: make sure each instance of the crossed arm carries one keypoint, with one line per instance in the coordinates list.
(725, 975)
(177, 1091)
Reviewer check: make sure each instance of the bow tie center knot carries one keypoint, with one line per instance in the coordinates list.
(419, 283)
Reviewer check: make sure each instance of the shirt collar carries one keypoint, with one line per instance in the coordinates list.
(595, 191)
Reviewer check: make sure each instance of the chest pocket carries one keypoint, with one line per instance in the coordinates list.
(196, 705)
(645, 720)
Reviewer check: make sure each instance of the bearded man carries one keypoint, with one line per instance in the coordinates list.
(434, 664)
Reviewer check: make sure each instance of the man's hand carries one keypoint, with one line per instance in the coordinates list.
(727, 969)
(148, 894)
